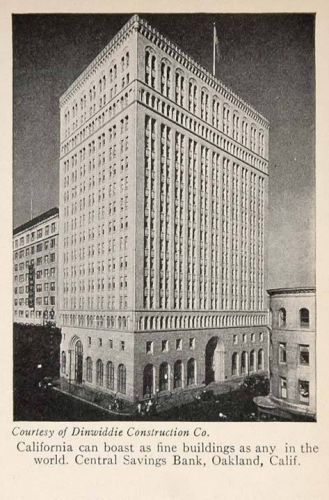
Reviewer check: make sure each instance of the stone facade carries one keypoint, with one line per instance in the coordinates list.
(163, 201)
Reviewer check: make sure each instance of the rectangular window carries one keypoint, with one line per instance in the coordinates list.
(100, 342)
(149, 347)
(164, 346)
(282, 352)
(122, 345)
(283, 387)
(89, 341)
(304, 391)
(178, 344)
(52, 300)
(192, 343)
(39, 233)
(235, 339)
(304, 355)
(111, 343)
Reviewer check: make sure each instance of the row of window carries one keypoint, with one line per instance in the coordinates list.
(303, 390)
(149, 345)
(37, 248)
(249, 362)
(304, 317)
(25, 240)
(185, 93)
(39, 301)
(303, 354)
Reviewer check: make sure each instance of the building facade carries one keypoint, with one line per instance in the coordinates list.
(293, 354)
(163, 198)
(35, 250)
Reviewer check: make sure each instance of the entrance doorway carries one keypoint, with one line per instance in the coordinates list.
(214, 361)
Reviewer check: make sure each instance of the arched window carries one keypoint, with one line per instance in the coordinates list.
(216, 113)
(178, 374)
(192, 96)
(260, 360)
(164, 377)
(63, 361)
(226, 119)
(110, 375)
(204, 105)
(191, 372)
(235, 366)
(122, 379)
(148, 380)
(236, 127)
(179, 88)
(150, 68)
(282, 317)
(99, 372)
(89, 370)
(165, 78)
(304, 317)
(252, 361)
(244, 363)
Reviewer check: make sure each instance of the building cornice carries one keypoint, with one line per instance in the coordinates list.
(36, 220)
(291, 291)
(173, 51)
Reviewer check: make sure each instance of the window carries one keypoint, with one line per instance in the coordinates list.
(164, 346)
(304, 391)
(244, 338)
(100, 342)
(149, 346)
(89, 341)
(283, 387)
(99, 372)
(244, 363)
(260, 360)
(252, 337)
(39, 233)
(110, 375)
(178, 372)
(122, 379)
(282, 317)
(235, 339)
(191, 372)
(235, 363)
(192, 343)
(304, 317)
(252, 361)
(282, 352)
(178, 344)
(111, 343)
(89, 370)
(122, 345)
(163, 377)
(304, 355)
(63, 364)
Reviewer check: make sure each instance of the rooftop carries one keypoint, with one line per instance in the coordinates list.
(149, 32)
(36, 220)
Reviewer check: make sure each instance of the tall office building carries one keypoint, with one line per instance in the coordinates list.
(35, 248)
(163, 195)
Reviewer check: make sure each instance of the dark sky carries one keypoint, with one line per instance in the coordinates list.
(268, 60)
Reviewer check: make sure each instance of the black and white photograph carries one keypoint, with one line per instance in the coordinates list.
(163, 237)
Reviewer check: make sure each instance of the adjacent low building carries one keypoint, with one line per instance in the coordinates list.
(35, 246)
(293, 355)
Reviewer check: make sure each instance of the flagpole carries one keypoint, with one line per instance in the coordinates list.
(214, 52)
